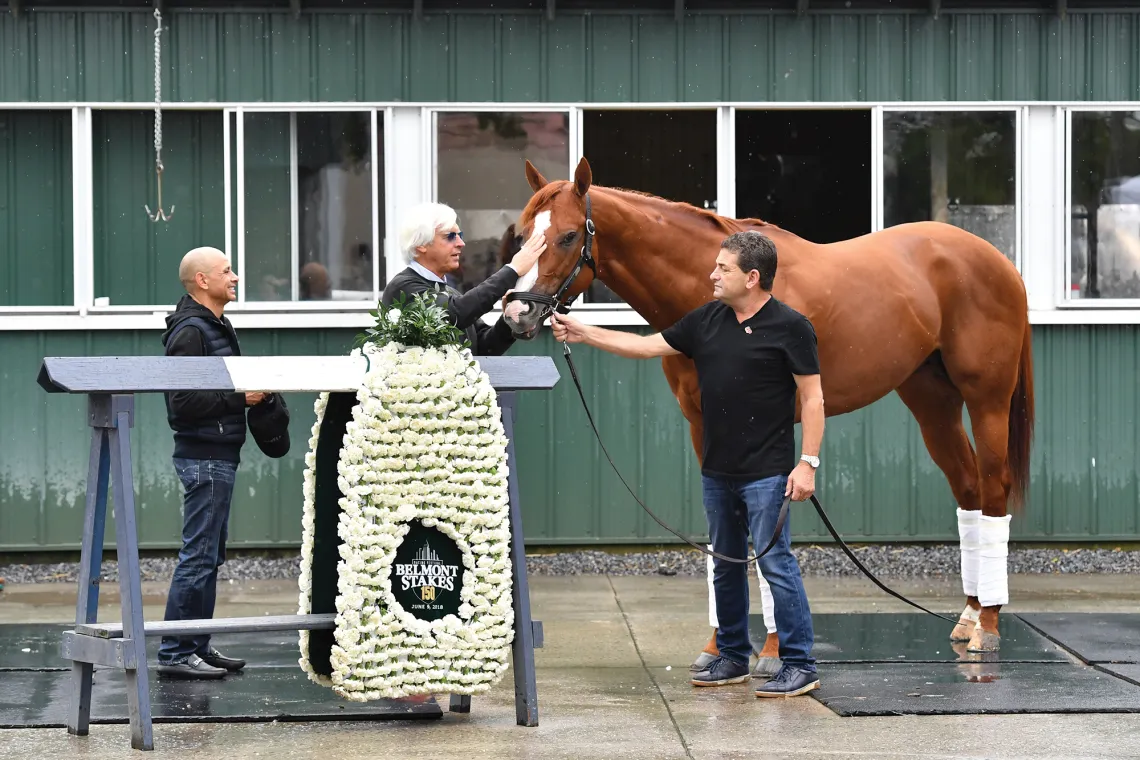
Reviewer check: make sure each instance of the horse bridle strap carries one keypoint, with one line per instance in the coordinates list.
(780, 520)
(585, 258)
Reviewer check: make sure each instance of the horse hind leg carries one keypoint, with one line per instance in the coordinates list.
(988, 388)
(990, 422)
(937, 405)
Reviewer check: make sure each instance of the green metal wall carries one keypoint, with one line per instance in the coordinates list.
(35, 208)
(598, 56)
(877, 479)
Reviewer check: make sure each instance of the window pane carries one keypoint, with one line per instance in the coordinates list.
(334, 189)
(268, 226)
(480, 161)
(667, 153)
(322, 162)
(35, 208)
(792, 163)
(1105, 245)
(958, 168)
(136, 260)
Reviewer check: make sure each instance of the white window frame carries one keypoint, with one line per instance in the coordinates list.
(1043, 249)
(379, 242)
(1063, 295)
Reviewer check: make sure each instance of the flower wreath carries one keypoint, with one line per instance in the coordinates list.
(419, 447)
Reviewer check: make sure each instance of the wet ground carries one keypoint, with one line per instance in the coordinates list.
(613, 681)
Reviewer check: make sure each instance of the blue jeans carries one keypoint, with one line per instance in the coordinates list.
(734, 509)
(209, 486)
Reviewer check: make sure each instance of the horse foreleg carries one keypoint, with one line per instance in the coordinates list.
(936, 405)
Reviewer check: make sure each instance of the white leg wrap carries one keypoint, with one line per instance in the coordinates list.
(993, 536)
(968, 536)
(766, 603)
(970, 614)
(712, 592)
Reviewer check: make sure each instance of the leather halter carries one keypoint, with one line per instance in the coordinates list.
(555, 303)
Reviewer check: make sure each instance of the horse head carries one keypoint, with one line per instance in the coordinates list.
(566, 268)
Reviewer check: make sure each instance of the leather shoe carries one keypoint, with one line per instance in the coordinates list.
(192, 667)
(218, 660)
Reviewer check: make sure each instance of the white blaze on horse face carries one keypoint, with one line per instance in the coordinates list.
(541, 225)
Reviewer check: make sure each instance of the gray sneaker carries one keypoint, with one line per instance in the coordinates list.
(192, 667)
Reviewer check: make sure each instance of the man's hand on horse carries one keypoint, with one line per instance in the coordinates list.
(528, 255)
(801, 483)
(567, 330)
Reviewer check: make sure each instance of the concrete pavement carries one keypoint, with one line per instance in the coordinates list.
(613, 683)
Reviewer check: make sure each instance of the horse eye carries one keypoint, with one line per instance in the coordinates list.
(569, 237)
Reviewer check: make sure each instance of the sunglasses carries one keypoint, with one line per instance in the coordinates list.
(451, 236)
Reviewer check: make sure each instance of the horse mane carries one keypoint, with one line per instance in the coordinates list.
(720, 223)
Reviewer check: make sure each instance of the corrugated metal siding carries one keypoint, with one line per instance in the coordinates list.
(108, 56)
(35, 208)
(877, 480)
(136, 260)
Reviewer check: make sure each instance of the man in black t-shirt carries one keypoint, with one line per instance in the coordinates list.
(752, 354)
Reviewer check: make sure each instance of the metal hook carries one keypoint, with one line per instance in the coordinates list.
(160, 214)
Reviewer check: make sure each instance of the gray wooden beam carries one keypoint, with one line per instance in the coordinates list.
(300, 374)
(550, 10)
(112, 653)
(223, 625)
(678, 9)
(1062, 7)
(295, 6)
(417, 10)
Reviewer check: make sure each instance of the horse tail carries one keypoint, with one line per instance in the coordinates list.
(1021, 419)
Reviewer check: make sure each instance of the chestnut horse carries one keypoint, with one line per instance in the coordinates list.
(924, 309)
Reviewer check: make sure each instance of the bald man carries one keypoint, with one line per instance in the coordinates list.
(209, 430)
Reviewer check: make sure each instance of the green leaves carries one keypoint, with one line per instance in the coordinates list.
(418, 322)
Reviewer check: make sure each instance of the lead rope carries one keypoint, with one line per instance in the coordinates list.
(780, 520)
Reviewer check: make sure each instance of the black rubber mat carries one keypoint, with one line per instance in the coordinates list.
(904, 637)
(1093, 637)
(267, 649)
(37, 699)
(868, 689)
(1128, 672)
(32, 646)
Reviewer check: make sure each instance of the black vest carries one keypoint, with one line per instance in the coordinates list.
(213, 437)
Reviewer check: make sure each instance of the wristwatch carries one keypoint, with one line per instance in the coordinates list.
(813, 461)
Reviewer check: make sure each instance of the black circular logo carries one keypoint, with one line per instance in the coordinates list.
(428, 573)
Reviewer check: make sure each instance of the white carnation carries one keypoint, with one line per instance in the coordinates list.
(425, 443)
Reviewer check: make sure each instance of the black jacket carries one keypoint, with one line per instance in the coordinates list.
(206, 424)
(465, 309)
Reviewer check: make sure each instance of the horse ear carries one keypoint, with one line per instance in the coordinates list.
(534, 177)
(583, 177)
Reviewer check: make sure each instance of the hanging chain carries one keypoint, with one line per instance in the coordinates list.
(158, 167)
(158, 90)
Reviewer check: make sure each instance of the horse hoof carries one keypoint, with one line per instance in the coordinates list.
(767, 667)
(707, 655)
(984, 641)
(964, 631)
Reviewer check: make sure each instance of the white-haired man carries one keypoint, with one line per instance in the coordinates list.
(431, 241)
